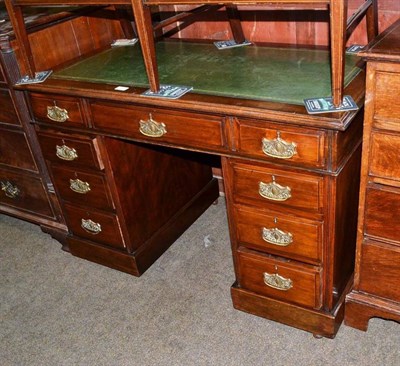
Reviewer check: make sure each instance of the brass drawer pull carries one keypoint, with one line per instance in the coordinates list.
(66, 153)
(277, 282)
(152, 128)
(91, 226)
(274, 191)
(277, 237)
(79, 186)
(57, 114)
(10, 190)
(278, 148)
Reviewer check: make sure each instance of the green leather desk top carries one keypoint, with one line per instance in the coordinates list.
(277, 74)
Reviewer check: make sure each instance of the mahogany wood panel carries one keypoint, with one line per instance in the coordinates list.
(15, 151)
(7, 110)
(382, 207)
(380, 271)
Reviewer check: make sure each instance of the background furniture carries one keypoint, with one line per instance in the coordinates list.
(376, 291)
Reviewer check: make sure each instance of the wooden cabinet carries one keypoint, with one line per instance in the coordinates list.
(25, 187)
(376, 286)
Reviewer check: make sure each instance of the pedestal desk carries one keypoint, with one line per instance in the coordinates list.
(132, 171)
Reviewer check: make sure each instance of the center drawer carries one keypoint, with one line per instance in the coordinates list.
(157, 125)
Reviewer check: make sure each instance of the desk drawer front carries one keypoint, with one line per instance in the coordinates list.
(266, 187)
(384, 155)
(156, 125)
(380, 270)
(82, 188)
(281, 280)
(25, 192)
(14, 150)
(282, 144)
(382, 218)
(278, 234)
(57, 110)
(70, 151)
(7, 111)
(94, 225)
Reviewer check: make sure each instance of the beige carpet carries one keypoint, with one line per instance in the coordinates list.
(60, 310)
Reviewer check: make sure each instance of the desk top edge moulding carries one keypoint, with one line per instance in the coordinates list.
(290, 181)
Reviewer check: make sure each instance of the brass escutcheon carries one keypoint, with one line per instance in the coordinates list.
(277, 282)
(57, 114)
(152, 128)
(90, 226)
(10, 190)
(274, 191)
(278, 148)
(79, 186)
(277, 237)
(66, 153)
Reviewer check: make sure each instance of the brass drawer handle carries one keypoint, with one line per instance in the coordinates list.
(91, 226)
(274, 191)
(66, 153)
(79, 186)
(277, 282)
(152, 128)
(277, 237)
(10, 190)
(278, 148)
(57, 114)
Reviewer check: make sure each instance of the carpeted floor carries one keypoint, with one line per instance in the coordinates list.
(60, 310)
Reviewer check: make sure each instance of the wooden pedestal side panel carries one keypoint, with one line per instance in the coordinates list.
(376, 291)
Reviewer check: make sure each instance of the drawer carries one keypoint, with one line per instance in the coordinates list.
(268, 187)
(386, 108)
(380, 270)
(287, 281)
(382, 208)
(94, 225)
(14, 150)
(58, 110)
(71, 151)
(84, 188)
(384, 155)
(25, 192)
(291, 237)
(281, 143)
(7, 110)
(178, 128)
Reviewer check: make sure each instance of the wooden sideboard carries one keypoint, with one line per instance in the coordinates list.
(376, 291)
(132, 171)
(26, 190)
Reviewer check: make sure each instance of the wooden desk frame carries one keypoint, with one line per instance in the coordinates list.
(340, 29)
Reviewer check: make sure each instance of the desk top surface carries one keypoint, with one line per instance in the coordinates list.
(287, 75)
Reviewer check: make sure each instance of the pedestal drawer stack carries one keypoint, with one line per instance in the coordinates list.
(376, 291)
(124, 203)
